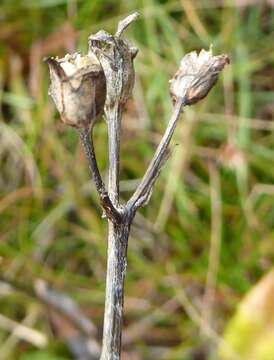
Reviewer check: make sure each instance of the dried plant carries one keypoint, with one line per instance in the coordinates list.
(81, 86)
(78, 88)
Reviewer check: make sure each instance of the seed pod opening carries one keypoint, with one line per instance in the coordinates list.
(196, 76)
(78, 88)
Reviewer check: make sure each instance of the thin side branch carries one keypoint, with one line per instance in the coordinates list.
(144, 190)
(111, 212)
(123, 24)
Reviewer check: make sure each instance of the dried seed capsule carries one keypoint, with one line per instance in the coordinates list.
(197, 74)
(116, 57)
(78, 88)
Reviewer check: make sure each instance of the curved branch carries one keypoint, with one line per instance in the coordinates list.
(144, 190)
(111, 212)
(123, 24)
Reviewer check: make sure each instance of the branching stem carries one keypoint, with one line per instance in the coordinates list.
(197, 74)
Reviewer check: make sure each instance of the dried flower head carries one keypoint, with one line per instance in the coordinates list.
(116, 57)
(78, 88)
(197, 74)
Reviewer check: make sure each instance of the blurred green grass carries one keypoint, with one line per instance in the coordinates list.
(50, 217)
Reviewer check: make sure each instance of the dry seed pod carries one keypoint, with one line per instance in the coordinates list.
(116, 57)
(78, 88)
(196, 76)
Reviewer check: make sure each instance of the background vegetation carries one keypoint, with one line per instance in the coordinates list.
(210, 222)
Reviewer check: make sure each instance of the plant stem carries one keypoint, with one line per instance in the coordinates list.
(144, 189)
(116, 272)
(119, 232)
(87, 141)
(117, 245)
(113, 115)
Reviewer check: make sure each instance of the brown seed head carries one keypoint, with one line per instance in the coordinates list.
(197, 74)
(78, 88)
(116, 57)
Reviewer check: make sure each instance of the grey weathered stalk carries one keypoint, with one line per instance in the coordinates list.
(111, 212)
(114, 301)
(143, 191)
(117, 246)
(116, 58)
(123, 24)
(113, 115)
